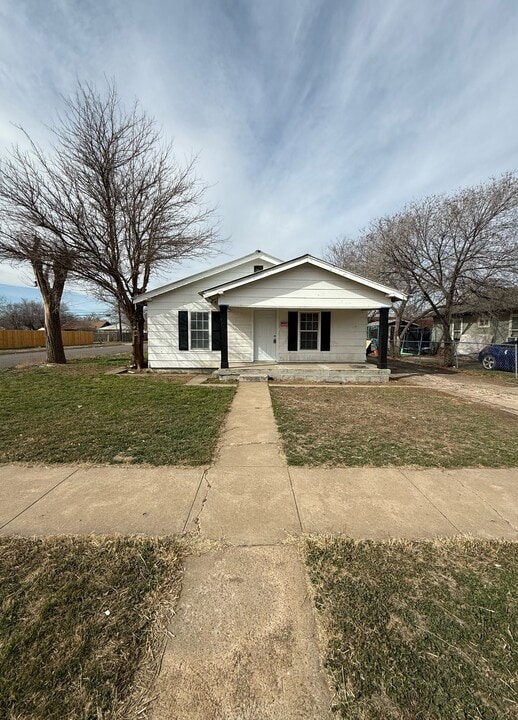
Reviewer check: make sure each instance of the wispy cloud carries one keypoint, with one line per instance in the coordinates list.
(310, 117)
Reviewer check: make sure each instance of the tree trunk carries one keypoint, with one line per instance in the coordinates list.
(53, 336)
(51, 293)
(137, 323)
(449, 345)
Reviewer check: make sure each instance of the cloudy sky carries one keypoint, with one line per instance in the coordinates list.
(309, 117)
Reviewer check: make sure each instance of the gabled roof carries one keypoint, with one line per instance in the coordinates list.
(296, 262)
(258, 254)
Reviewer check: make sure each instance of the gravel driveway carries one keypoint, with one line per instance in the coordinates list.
(504, 397)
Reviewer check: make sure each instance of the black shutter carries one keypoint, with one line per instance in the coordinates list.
(293, 321)
(216, 330)
(325, 331)
(183, 330)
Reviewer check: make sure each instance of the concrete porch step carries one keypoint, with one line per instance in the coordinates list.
(255, 377)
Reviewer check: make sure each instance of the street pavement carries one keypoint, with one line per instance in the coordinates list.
(36, 357)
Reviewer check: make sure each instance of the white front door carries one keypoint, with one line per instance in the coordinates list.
(265, 335)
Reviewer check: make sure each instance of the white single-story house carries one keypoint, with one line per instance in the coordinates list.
(260, 309)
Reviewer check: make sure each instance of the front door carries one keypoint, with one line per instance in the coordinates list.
(265, 335)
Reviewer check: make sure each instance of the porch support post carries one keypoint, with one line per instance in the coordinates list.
(383, 338)
(223, 309)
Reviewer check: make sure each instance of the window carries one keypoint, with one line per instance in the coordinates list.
(199, 330)
(308, 331)
(483, 321)
(258, 268)
(514, 326)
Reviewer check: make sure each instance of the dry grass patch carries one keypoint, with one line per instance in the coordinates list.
(78, 624)
(348, 426)
(495, 377)
(418, 629)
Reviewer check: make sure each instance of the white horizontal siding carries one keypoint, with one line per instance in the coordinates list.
(163, 352)
(348, 333)
(240, 334)
(306, 287)
(191, 293)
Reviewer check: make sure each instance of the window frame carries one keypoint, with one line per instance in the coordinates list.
(513, 321)
(209, 331)
(483, 322)
(300, 331)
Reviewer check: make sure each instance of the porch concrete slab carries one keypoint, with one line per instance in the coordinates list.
(243, 642)
(463, 497)
(365, 503)
(21, 486)
(125, 500)
(249, 506)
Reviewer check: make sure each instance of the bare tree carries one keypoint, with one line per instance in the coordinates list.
(441, 251)
(27, 314)
(113, 206)
(456, 247)
(22, 315)
(30, 232)
(129, 208)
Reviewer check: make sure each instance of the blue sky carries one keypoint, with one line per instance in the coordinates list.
(310, 117)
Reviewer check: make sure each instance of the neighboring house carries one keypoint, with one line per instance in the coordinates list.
(114, 332)
(483, 321)
(260, 309)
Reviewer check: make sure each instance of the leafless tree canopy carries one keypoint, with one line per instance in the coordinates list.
(22, 315)
(110, 204)
(445, 249)
(30, 315)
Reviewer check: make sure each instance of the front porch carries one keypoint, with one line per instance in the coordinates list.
(341, 373)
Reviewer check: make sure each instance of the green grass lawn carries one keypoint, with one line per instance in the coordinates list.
(78, 621)
(348, 426)
(78, 413)
(419, 629)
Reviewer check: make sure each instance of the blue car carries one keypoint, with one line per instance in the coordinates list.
(501, 356)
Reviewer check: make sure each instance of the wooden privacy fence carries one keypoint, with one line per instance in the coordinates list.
(13, 339)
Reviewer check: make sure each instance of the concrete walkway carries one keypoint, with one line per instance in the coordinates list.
(243, 642)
